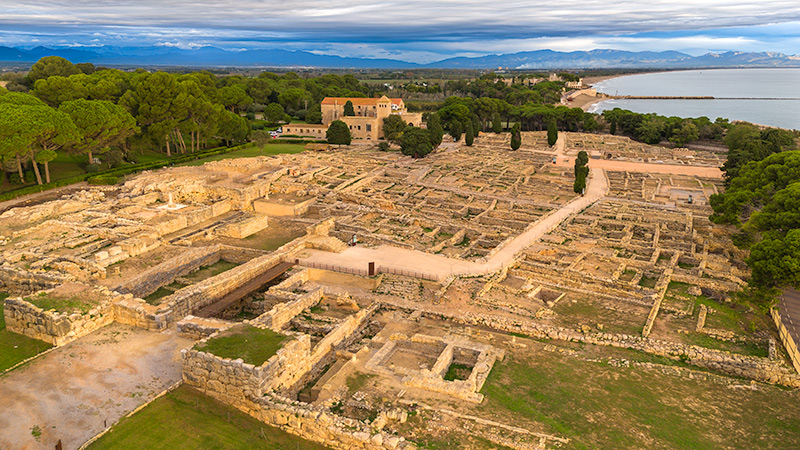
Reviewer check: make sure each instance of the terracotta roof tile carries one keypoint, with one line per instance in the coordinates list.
(357, 101)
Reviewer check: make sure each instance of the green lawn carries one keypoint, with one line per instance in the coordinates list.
(187, 419)
(16, 347)
(61, 304)
(210, 271)
(599, 406)
(267, 150)
(252, 344)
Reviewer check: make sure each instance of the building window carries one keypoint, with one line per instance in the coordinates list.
(359, 127)
(369, 127)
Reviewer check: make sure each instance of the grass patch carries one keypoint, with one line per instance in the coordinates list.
(648, 282)
(209, 271)
(16, 347)
(61, 304)
(253, 345)
(599, 406)
(164, 291)
(185, 419)
(457, 372)
(357, 381)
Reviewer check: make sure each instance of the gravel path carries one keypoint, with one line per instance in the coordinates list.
(68, 393)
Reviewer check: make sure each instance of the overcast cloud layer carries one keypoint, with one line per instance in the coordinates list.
(411, 30)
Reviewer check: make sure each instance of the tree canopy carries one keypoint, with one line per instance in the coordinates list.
(416, 143)
(393, 127)
(338, 133)
(348, 109)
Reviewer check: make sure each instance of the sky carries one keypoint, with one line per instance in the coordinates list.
(410, 30)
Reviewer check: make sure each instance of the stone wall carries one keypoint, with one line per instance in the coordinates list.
(197, 296)
(138, 313)
(279, 316)
(165, 273)
(788, 342)
(24, 282)
(233, 381)
(247, 388)
(58, 328)
(200, 328)
(243, 228)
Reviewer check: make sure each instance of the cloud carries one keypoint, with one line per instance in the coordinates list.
(413, 29)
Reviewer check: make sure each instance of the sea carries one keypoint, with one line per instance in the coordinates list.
(762, 96)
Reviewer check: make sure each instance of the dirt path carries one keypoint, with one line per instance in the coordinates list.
(70, 392)
(630, 166)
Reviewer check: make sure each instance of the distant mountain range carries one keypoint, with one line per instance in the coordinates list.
(540, 59)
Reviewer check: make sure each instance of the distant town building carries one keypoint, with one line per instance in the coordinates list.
(367, 122)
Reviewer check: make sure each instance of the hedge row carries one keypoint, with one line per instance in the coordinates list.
(116, 173)
(296, 141)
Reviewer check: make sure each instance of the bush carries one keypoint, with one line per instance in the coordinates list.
(30, 177)
(15, 179)
(257, 126)
(103, 180)
(92, 168)
(383, 146)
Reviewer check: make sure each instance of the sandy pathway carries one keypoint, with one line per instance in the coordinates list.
(71, 391)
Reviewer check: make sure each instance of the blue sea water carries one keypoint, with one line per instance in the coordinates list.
(762, 96)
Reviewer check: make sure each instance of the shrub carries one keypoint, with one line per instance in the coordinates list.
(103, 180)
(383, 146)
(15, 179)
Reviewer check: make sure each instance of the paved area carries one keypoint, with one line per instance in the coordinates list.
(629, 166)
(71, 392)
(789, 308)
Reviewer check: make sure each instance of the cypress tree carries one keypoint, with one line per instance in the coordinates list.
(552, 133)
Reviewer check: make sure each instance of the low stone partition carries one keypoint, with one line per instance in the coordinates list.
(200, 327)
(240, 255)
(318, 424)
(59, 328)
(279, 316)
